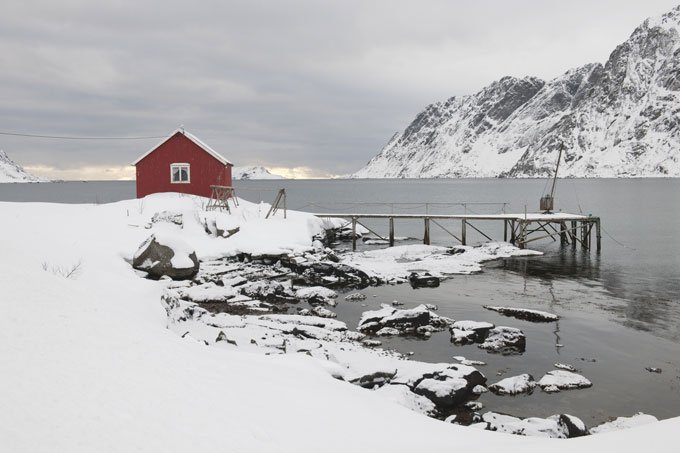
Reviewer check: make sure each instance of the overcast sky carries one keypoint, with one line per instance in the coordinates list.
(311, 88)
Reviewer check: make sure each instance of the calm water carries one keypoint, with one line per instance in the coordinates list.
(620, 309)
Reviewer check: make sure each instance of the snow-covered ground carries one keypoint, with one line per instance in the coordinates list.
(253, 172)
(89, 365)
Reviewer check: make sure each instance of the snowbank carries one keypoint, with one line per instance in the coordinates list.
(88, 364)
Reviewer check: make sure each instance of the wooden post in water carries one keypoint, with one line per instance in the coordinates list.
(505, 231)
(391, 231)
(354, 234)
(563, 233)
(463, 239)
(513, 239)
(598, 232)
(584, 234)
(574, 233)
(426, 235)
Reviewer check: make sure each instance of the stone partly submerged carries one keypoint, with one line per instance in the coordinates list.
(391, 321)
(524, 313)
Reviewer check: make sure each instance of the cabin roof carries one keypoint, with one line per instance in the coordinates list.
(201, 144)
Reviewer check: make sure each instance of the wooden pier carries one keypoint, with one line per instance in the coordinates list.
(519, 229)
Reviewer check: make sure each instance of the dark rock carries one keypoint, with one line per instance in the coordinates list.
(373, 380)
(525, 314)
(450, 387)
(505, 340)
(156, 259)
(425, 280)
(418, 320)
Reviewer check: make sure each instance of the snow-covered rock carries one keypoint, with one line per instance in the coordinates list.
(253, 172)
(561, 426)
(505, 340)
(164, 254)
(449, 387)
(465, 332)
(619, 119)
(209, 292)
(391, 321)
(524, 383)
(624, 423)
(524, 313)
(556, 380)
(10, 171)
(317, 295)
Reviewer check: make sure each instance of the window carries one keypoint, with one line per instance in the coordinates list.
(179, 174)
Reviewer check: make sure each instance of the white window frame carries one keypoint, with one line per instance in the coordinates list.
(180, 166)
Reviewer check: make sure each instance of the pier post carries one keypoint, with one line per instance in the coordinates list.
(574, 233)
(513, 239)
(563, 233)
(463, 239)
(354, 234)
(522, 234)
(505, 231)
(426, 235)
(598, 233)
(391, 231)
(584, 235)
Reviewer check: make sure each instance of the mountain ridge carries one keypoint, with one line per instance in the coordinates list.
(10, 171)
(617, 119)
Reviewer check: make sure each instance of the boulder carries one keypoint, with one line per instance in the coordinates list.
(466, 332)
(524, 383)
(163, 255)
(505, 340)
(449, 387)
(557, 380)
(525, 313)
(560, 426)
(425, 280)
(389, 320)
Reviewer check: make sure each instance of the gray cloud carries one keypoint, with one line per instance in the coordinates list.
(286, 84)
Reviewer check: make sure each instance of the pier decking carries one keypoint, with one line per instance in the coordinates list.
(522, 228)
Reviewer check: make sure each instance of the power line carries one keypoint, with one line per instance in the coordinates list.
(66, 137)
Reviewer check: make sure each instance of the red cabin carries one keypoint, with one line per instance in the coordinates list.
(181, 163)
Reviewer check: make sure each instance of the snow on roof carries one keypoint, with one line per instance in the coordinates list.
(194, 139)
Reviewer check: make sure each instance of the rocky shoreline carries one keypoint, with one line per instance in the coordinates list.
(283, 304)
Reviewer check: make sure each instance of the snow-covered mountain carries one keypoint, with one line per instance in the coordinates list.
(10, 171)
(617, 120)
(254, 172)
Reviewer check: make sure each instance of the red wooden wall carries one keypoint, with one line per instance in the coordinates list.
(153, 172)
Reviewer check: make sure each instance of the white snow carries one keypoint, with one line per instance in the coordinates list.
(396, 263)
(181, 259)
(96, 363)
(624, 423)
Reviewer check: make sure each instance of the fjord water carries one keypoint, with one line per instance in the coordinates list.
(620, 309)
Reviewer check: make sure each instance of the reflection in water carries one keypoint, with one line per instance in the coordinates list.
(641, 309)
